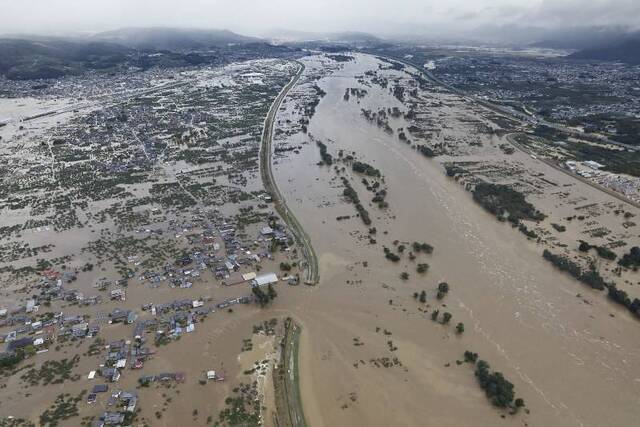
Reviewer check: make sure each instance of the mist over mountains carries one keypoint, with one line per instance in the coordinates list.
(35, 57)
(173, 38)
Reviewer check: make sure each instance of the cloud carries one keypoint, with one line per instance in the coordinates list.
(254, 16)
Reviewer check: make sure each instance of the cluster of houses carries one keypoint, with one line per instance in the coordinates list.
(120, 404)
(225, 266)
(224, 255)
(38, 334)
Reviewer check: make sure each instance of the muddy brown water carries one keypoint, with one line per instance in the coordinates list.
(572, 362)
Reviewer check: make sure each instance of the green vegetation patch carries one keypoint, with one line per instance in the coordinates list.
(502, 200)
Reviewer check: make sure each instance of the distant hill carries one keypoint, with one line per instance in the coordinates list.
(565, 38)
(172, 38)
(627, 51)
(349, 37)
(36, 57)
(583, 38)
(50, 58)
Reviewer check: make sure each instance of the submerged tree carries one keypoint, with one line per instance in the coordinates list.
(423, 297)
(446, 318)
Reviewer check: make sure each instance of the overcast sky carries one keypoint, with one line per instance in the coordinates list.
(256, 16)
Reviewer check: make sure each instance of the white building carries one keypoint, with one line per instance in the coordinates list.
(265, 279)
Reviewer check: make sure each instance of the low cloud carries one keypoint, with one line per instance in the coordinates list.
(255, 16)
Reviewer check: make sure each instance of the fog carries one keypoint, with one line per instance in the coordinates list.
(255, 17)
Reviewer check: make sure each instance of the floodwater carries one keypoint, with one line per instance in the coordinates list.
(573, 363)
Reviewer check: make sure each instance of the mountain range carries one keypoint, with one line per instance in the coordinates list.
(38, 57)
(26, 57)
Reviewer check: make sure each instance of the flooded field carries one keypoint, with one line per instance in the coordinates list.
(370, 352)
(139, 251)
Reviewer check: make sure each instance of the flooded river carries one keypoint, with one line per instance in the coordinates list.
(573, 363)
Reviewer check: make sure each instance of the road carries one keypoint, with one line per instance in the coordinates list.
(527, 119)
(523, 118)
(517, 145)
(289, 383)
(124, 97)
(302, 239)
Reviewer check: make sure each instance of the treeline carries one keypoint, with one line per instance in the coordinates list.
(619, 296)
(602, 252)
(310, 108)
(632, 259)
(326, 157)
(352, 196)
(498, 389)
(341, 58)
(365, 168)
(503, 200)
(527, 232)
(594, 280)
(398, 66)
(563, 263)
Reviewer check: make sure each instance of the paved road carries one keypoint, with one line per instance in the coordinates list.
(269, 182)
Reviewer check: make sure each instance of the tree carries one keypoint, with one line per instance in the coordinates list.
(470, 357)
(434, 315)
(443, 289)
(632, 259)
(423, 297)
(404, 275)
(584, 246)
(422, 268)
(519, 402)
(285, 266)
(422, 247)
(497, 388)
(446, 318)
(271, 293)
(460, 328)
(30, 350)
(263, 298)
